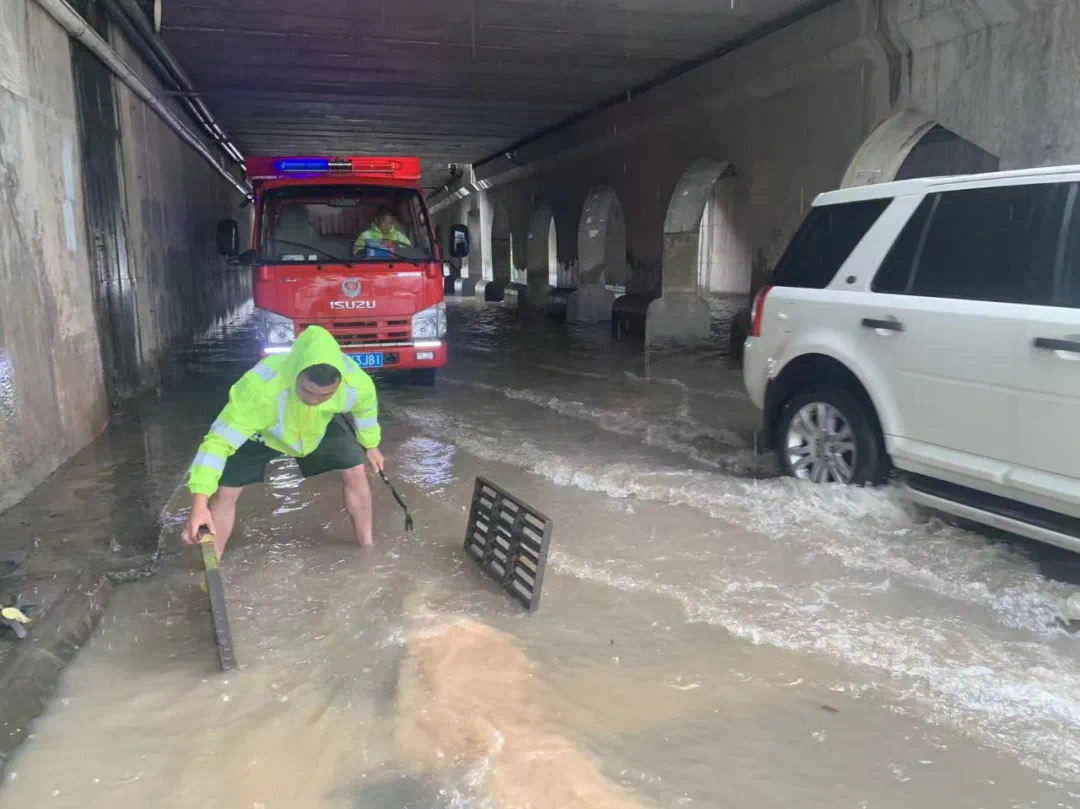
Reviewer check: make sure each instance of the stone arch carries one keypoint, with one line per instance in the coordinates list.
(681, 314)
(601, 239)
(541, 253)
(682, 224)
(912, 144)
(724, 261)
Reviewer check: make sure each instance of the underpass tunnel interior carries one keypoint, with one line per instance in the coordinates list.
(630, 173)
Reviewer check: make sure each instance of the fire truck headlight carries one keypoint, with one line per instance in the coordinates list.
(425, 324)
(276, 330)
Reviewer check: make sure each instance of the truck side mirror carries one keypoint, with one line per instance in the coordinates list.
(459, 241)
(228, 238)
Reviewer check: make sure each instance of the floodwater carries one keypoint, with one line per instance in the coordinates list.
(709, 634)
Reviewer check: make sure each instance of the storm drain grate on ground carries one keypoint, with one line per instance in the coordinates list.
(509, 540)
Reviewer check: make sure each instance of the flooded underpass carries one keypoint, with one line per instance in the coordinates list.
(709, 635)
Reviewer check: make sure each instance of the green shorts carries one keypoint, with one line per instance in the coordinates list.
(337, 450)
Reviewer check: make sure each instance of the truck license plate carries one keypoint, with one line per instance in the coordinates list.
(372, 359)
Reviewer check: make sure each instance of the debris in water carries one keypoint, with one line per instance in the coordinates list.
(449, 711)
(830, 709)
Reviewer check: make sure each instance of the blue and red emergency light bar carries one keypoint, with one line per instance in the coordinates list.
(261, 169)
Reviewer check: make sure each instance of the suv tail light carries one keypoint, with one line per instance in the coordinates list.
(757, 312)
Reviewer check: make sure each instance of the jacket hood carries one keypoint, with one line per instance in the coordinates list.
(314, 346)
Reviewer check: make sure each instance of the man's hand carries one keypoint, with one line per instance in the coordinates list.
(198, 518)
(375, 458)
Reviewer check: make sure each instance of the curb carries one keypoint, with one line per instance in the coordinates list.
(32, 667)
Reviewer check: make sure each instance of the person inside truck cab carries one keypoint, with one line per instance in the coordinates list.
(383, 233)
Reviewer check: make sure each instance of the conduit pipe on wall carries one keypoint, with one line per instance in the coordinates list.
(80, 29)
(144, 34)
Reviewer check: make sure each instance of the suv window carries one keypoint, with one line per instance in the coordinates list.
(1070, 273)
(896, 270)
(824, 241)
(987, 244)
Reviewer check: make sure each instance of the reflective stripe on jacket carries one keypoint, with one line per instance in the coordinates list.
(264, 402)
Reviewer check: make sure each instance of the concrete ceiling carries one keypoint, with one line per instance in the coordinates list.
(450, 80)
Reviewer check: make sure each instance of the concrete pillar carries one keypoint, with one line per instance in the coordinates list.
(681, 315)
(678, 318)
(590, 304)
(539, 256)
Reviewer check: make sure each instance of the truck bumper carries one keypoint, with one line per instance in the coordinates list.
(396, 356)
(420, 355)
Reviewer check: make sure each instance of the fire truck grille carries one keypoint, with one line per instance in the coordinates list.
(368, 332)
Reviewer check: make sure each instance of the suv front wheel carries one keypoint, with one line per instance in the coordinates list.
(827, 435)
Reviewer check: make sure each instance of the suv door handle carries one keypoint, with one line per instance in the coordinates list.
(887, 325)
(1054, 344)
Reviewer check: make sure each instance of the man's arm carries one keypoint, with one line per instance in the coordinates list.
(364, 418)
(241, 418)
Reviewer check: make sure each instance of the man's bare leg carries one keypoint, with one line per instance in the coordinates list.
(223, 510)
(354, 487)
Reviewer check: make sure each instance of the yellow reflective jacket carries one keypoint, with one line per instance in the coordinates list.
(264, 402)
(377, 239)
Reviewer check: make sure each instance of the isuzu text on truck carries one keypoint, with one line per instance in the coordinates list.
(345, 243)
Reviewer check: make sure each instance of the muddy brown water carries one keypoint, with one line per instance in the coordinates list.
(709, 635)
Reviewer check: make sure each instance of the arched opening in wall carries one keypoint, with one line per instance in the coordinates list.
(700, 245)
(602, 240)
(941, 152)
(704, 250)
(723, 256)
(541, 252)
(911, 144)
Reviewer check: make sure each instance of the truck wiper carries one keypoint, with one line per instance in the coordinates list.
(347, 262)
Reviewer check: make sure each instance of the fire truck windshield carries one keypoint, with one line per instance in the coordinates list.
(350, 223)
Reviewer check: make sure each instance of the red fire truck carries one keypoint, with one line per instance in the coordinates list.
(346, 243)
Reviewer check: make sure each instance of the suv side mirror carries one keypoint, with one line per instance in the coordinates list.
(228, 238)
(459, 241)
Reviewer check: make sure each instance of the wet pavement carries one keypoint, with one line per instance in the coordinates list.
(710, 634)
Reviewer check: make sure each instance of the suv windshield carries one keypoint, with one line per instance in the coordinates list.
(347, 223)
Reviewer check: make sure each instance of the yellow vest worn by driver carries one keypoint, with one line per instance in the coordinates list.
(264, 402)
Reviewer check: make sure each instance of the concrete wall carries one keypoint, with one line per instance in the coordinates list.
(1001, 74)
(174, 201)
(790, 113)
(52, 392)
(53, 397)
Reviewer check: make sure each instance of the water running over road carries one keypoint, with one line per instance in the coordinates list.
(711, 635)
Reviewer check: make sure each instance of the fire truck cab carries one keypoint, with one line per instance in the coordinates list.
(346, 243)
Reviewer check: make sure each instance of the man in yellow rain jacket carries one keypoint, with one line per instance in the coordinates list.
(286, 405)
(384, 233)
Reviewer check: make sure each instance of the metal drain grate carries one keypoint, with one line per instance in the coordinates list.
(509, 540)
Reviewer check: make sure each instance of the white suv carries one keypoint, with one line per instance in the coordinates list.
(933, 325)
